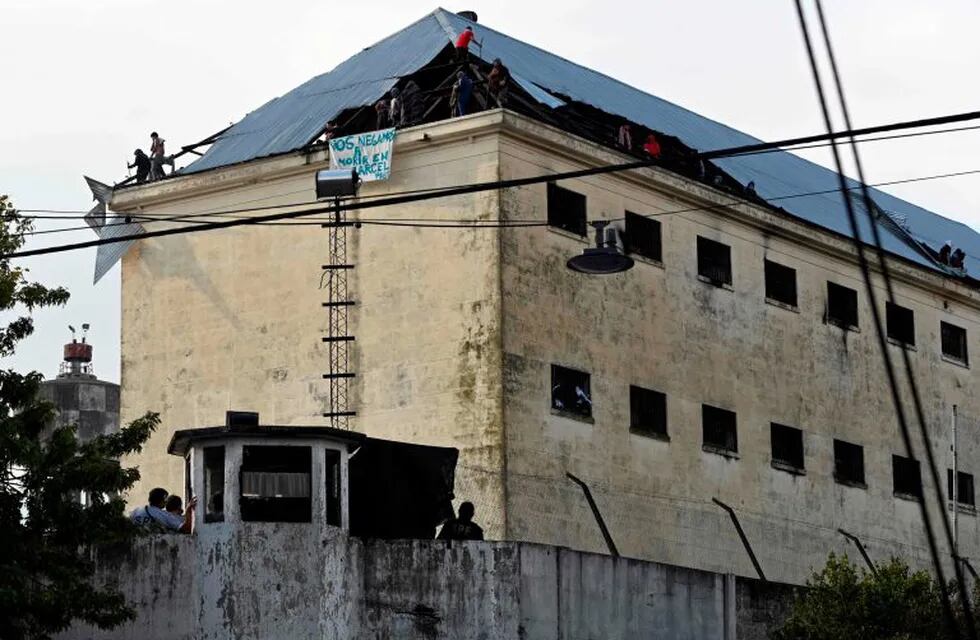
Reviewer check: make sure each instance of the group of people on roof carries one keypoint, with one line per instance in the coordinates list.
(150, 168)
(950, 257)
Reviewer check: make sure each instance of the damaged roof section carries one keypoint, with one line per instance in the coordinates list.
(291, 122)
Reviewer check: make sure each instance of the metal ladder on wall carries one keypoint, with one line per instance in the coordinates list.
(338, 305)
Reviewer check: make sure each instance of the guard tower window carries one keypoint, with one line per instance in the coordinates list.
(787, 446)
(714, 261)
(570, 391)
(333, 495)
(214, 484)
(648, 412)
(780, 283)
(643, 236)
(848, 463)
(901, 323)
(906, 477)
(718, 430)
(954, 342)
(566, 209)
(275, 484)
(964, 489)
(842, 306)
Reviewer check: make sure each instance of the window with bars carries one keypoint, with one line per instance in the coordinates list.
(842, 305)
(275, 484)
(900, 323)
(780, 283)
(714, 261)
(964, 488)
(643, 236)
(906, 477)
(571, 391)
(566, 209)
(849, 463)
(787, 446)
(648, 412)
(719, 430)
(953, 340)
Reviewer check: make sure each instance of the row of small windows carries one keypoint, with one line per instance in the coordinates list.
(571, 394)
(567, 211)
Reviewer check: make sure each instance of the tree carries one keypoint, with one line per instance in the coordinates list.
(48, 536)
(842, 602)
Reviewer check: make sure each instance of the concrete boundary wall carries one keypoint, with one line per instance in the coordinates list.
(278, 581)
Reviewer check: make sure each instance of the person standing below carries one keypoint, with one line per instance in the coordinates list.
(142, 166)
(158, 157)
(463, 44)
(462, 91)
(463, 527)
(155, 516)
(498, 82)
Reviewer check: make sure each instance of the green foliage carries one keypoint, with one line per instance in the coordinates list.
(842, 602)
(48, 536)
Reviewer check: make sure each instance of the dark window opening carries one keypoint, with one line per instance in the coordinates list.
(848, 463)
(901, 323)
(719, 429)
(906, 477)
(643, 236)
(648, 412)
(842, 305)
(275, 484)
(953, 339)
(566, 209)
(214, 484)
(570, 391)
(780, 283)
(787, 445)
(714, 261)
(333, 495)
(964, 488)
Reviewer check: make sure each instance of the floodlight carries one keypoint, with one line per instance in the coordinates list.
(336, 183)
(605, 257)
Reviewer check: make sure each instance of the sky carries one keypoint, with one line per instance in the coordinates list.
(84, 83)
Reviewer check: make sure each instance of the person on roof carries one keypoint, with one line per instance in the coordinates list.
(945, 251)
(463, 44)
(142, 166)
(395, 108)
(411, 103)
(381, 114)
(158, 157)
(625, 136)
(956, 260)
(462, 91)
(651, 147)
(463, 527)
(498, 82)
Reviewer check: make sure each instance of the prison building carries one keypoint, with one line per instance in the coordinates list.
(736, 361)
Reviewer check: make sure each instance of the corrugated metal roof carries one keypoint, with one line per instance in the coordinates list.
(293, 120)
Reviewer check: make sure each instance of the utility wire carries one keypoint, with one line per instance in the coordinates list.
(496, 185)
(872, 298)
(907, 362)
(470, 223)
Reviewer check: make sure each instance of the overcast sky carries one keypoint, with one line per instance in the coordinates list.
(84, 83)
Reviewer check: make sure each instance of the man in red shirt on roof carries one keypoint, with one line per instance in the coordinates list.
(463, 44)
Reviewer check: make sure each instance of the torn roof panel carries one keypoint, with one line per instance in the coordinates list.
(290, 122)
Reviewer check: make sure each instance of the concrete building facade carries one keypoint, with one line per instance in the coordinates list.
(459, 332)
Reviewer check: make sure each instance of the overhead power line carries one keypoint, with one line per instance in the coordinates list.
(493, 224)
(494, 185)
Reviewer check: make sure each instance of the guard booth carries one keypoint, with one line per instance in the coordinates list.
(245, 472)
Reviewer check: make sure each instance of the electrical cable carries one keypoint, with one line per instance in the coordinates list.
(875, 311)
(909, 373)
(492, 185)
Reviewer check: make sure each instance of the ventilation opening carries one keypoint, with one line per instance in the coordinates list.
(780, 283)
(842, 307)
(714, 261)
(648, 412)
(643, 236)
(718, 430)
(901, 323)
(566, 209)
(953, 340)
(787, 447)
(848, 463)
(964, 488)
(906, 477)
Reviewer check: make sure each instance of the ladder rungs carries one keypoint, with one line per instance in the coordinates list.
(339, 414)
(345, 303)
(329, 376)
(338, 338)
(336, 266)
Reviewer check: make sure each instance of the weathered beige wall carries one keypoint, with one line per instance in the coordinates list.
(456, 331)
(660, 327)
(232, 319)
